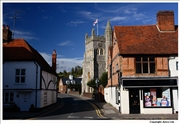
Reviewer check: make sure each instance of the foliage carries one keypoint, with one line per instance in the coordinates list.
(103, 79)
(75, 71)
(92, 83)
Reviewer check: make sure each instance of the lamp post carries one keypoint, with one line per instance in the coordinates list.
(97, 84)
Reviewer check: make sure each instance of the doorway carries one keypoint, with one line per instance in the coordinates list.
(134, 104)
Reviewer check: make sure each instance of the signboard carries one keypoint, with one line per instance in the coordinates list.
(150, 83)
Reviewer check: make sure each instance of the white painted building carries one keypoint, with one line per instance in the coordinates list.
(28, 80)
(173, 68)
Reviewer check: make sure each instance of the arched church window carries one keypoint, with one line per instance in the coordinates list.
(97, 51)
(101, 51)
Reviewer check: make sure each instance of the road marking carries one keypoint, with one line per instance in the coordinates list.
(73, 117)
(88, 117)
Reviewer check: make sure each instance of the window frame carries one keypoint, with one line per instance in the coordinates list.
(20, 76)
(148, 90)
(146, 65)
(8, 97)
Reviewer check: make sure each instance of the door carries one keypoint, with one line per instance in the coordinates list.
(25, 105)
(134, 101)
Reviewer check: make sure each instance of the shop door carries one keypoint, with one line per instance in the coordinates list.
(134, 101)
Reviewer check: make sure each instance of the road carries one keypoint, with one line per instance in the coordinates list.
(73, 108)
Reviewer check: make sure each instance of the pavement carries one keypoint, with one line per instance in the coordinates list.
(107, 110)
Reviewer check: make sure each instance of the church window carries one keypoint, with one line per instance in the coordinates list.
(97, 51)
(101, 51)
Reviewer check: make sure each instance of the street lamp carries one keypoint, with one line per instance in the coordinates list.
(97, 84)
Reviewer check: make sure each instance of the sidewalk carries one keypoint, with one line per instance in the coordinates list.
(111, 112)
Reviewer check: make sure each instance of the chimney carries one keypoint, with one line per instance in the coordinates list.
(165, 20)
(7, 34)
(54, 60)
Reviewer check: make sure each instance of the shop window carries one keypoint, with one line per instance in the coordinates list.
(157, 97)
(20, 75)
(145, 65)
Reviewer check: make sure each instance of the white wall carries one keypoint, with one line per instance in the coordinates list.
(23, 97)
(124, 101)
(172, 67)
(110, 96)
(9, 75)
(175, 99)
(48, 77)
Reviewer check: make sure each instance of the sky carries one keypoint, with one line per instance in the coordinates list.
(62, 25)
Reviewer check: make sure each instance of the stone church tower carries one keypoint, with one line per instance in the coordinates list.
(95, 56)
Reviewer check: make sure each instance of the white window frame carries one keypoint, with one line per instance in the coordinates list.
(20, 76)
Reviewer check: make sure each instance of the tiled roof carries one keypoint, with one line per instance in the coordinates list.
(146, 40)
(20, 50)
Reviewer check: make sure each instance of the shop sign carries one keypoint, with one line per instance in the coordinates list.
(150, 83)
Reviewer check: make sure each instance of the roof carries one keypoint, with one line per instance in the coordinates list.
(20, 50)
(146, 40)
(77, 80)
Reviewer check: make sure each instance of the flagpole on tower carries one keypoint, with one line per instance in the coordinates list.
(96, 22)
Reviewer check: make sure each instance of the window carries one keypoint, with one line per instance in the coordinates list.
(117, 96)
(116, 67)
(8, 97)
(145, 65)
(176, 65)
(52, 98)
(97, 51)
(20, 75)
(45, 97)
(101, 51)
(157, 97)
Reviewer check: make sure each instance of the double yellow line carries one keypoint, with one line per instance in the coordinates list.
(97, 110)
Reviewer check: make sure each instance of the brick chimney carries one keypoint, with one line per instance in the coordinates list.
(54, 60)
(165, 20)
(7, 34)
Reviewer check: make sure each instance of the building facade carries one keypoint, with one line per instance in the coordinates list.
(28, 80)
(139, 79)
(95, 56)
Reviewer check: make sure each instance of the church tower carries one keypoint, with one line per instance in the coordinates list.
(95, 56)
(108, 38)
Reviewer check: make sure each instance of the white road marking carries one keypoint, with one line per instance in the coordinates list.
(88, 117)
(73, 117)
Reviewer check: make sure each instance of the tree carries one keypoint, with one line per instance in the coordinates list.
(103, 79)
(92, 83)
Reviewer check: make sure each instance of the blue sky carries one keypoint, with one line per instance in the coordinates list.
(62, 26)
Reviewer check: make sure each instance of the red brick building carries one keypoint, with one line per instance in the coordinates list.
(138, 70)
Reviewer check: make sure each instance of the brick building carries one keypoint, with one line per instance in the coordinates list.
(138, 67)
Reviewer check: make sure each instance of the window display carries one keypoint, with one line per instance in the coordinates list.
(153, 99)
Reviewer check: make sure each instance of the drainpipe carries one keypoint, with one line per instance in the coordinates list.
(36, 84)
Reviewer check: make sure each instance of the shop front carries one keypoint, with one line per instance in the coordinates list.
(150, 96)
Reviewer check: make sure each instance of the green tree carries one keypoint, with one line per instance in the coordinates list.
(103, 79)
(92, 83)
